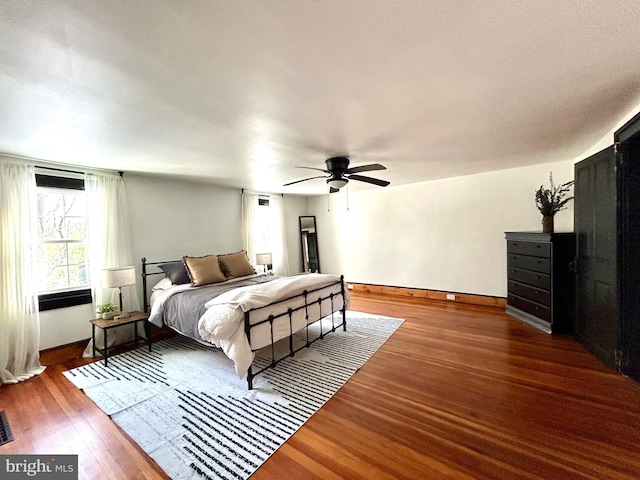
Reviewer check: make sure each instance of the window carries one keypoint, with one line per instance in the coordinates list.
(262, 231)
(62, 276)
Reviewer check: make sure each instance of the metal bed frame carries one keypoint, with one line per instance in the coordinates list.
(286, 312)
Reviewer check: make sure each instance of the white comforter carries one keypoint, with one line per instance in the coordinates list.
(223, 322)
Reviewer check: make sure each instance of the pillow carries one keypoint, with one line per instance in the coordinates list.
(176, 272)
(162, 284)
(203, 270)
(236, 264)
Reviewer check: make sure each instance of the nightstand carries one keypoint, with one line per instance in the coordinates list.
(106, 325)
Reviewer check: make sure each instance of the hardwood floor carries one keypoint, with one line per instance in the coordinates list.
(457, 392)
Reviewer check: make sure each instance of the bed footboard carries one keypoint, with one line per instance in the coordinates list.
(314, 305)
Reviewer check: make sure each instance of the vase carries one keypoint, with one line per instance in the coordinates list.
(109, 315)
(547, 224)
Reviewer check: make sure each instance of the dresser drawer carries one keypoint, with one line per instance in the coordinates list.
(534, 279)
(538, 295)
(535, 309)
(536, 264)
(529, 248)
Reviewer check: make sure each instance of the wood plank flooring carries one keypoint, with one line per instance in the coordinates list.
(457, 392)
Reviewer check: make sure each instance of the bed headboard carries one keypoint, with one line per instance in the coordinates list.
(154, 266)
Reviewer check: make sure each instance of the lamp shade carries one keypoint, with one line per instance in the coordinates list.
(263, 259)
(118, 277)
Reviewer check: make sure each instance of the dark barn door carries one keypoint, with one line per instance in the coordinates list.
(628, 141)
(607, 227)
(596, 322)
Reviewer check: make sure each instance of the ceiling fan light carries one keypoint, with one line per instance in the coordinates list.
(337, 183)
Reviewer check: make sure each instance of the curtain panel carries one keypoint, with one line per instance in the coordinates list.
(278, 230)
(110, 246)
(279, 236)
(19, 320)
(249, 206)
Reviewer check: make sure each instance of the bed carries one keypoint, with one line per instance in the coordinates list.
(243, 312)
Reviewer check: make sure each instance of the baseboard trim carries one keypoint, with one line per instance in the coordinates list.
(429, 295)
(82, 342)
(62, 353)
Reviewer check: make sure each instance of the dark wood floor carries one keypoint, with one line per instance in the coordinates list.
(456, 392)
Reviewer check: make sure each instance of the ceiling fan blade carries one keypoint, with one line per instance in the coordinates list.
(303, 180)
(313, 168)
(375, 181)
(366, 168)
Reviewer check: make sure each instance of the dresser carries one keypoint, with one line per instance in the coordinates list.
(541, 285)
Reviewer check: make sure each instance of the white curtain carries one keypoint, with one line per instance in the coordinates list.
(110, 246)
(249, 206)
(19, 321)
(279, 235)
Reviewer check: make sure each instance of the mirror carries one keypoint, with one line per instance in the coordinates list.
(309, 244)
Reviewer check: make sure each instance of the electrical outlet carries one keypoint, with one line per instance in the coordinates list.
(451, 296)
(350, 286)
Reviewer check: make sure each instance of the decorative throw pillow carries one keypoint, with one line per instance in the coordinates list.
(176, 272)
(203, 270)
(236, 264)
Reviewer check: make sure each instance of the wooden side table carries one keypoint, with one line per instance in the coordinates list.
(106, 325)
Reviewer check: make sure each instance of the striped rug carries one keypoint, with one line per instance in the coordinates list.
(185, 406)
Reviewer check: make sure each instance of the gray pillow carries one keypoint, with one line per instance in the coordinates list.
(176, 272)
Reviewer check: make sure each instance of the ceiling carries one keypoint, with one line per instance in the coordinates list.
(238, 93)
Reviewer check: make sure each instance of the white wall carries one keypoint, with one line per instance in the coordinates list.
(171, 218)
(65, 325)
(439, 235)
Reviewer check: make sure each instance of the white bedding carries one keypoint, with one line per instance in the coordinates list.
(223, 322)
(163, 290)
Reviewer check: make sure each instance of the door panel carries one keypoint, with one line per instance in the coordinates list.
(596, 324)
(605, 230)
(603, 331)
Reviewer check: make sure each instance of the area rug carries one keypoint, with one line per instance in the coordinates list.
(184, 405)
(5, 430)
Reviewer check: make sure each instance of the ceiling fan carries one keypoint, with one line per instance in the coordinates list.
(338, 173)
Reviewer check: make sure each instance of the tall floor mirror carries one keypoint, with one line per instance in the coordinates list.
(309, 244)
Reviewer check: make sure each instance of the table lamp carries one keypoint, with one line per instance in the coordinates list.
(119, 277)
(264, 259)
